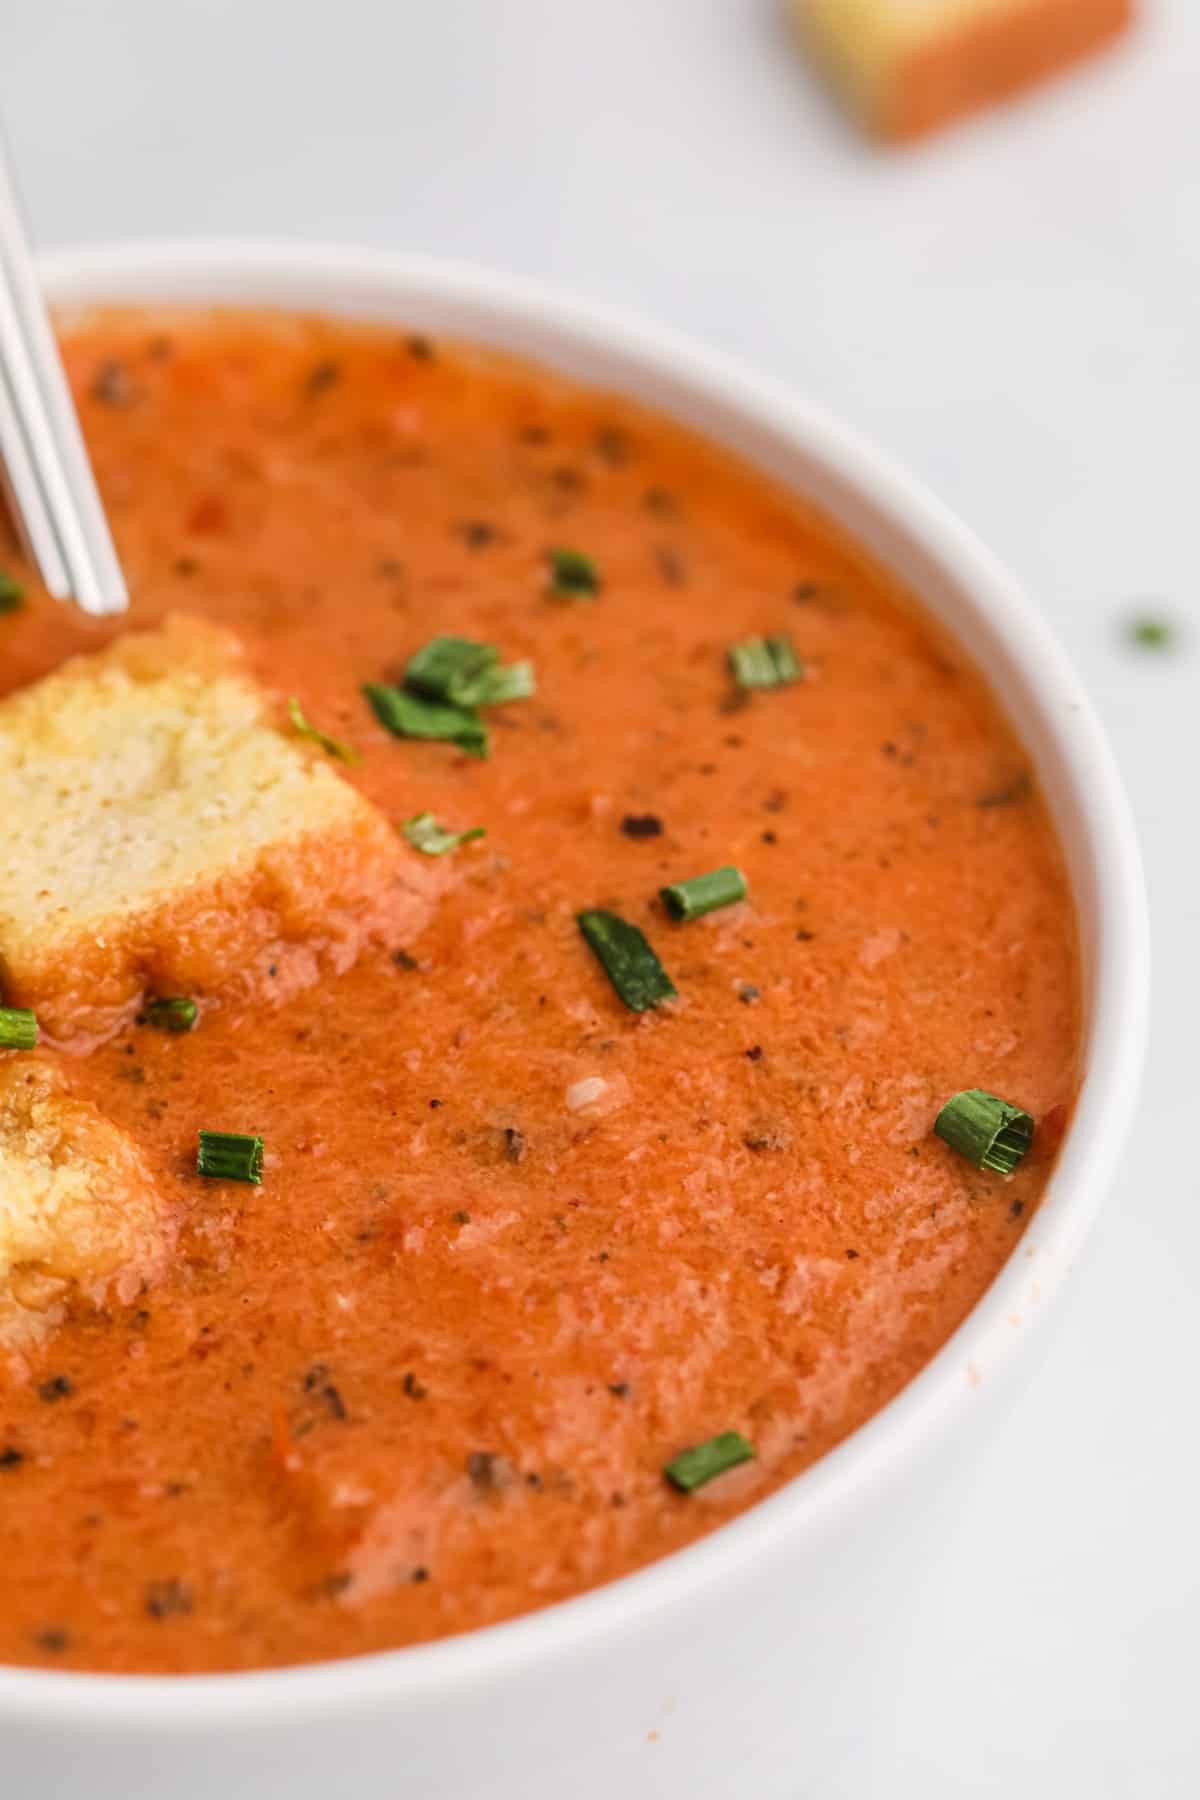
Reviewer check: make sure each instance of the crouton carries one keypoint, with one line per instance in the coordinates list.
(909, 66)
(164, 831)
(80, 1213)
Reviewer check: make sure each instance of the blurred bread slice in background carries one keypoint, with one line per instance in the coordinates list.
(908, 67)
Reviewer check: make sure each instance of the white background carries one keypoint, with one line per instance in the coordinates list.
(1014, 312)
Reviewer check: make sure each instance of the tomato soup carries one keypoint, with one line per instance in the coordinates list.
(517, 1246)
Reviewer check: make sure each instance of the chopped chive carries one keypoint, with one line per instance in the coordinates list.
(330, 745)
(230, 1156)
(12, 594)
(1152, 633)
(425, 834)
(629, 962)
(463, 673)
(18, 1028)
(763, 662)
(495, 687)
(444, 666)
(175, 1013)
(692, 1468)
(988, 1131)
(573, 574)
(408, 715)
(702, 894)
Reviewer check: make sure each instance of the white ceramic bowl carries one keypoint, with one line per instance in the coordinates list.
(736, 1664)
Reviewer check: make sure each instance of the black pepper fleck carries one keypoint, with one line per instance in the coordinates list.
(488, 1472)
(59, 1387)
(1011, 794)
(112, 386)
(767, 1137)
(11, 1457)
(165, 1599)
(612, 446)
(514, 1143)
(322, 375)
(642, 825)
(671, 566)
(476, 534)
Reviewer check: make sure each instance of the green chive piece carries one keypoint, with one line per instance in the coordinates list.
(496, 687)
(463, 673)
(573, 574)
(332, 746)
(1151, 633)
(12, 594)
(629, 962)
(446, 668)
(692, 1468)
(764, 662)
(425, 834)
(175, 1012)
(409, 716)
(702, 894)
(18, 1028)
(230, 1156)
(988, 1131)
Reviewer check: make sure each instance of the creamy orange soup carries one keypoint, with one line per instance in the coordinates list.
(517, 1246)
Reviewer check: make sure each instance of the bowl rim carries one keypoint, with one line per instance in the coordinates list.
(204, 271)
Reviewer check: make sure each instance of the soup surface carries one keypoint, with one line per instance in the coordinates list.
(516, 1246)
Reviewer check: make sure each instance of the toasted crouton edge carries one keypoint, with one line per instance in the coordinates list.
(82, 1219)
(307, 904)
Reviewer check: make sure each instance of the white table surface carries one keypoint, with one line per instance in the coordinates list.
(1013, 312)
